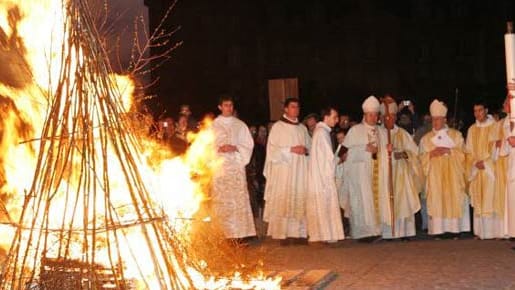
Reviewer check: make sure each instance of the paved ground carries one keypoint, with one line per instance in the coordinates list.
(422, 264)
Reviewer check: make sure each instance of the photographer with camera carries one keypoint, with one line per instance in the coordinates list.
(407, 118)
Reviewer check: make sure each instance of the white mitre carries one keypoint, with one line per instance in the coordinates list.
(392, 108)
(370, 105)
(438, 109)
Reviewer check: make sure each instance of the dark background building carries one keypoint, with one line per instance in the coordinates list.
(341, 51)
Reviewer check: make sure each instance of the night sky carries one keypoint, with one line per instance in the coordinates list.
(121, 17)
(341, 51)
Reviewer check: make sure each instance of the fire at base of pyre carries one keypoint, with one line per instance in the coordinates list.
(87, 201)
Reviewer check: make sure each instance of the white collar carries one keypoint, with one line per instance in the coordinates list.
(226, 120)
(369, 126)
(394, 129)
(489, 121)
(296, 120)
(324, 125)
(445, 129)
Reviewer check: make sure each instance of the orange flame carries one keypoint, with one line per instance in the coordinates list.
(34, 41)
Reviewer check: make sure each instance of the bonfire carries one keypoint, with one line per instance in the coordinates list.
(88, 201)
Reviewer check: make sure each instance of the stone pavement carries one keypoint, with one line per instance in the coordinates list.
(421, 264)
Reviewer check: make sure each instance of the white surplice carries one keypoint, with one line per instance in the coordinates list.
(322, 206)
(488, 218)
(364, 217)
(286, 181)
(230, 196)
(509, 209)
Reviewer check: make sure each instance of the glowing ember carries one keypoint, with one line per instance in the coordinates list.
(79, 188)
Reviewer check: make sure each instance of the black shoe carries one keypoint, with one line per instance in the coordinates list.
(450, 236)
(285, 242)
(466, 235)
(299, 241)
(251, 241)
(438, 237)
(364, 240)
(369, 240)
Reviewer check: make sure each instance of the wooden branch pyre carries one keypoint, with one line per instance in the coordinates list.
(84, 128)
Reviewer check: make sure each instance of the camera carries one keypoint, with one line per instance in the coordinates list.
(406, 102)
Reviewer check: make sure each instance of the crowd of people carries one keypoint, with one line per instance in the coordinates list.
(329, 178)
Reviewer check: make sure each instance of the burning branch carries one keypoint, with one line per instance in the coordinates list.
(90, 208)
(74, 178)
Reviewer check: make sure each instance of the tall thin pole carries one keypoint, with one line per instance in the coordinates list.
(509, 49)
(386, 103)
(455, 116)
